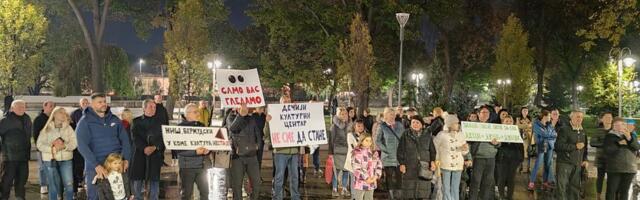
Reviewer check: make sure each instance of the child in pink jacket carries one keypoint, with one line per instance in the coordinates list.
(367, 168)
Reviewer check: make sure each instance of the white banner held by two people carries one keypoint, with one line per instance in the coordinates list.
(192, 137)
(239, 86)
(485, 132)
(297, 124)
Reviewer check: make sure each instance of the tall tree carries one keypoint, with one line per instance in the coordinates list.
(357, 61)
(514, 61)
(117, 77)
(186, 43)
(22, 36)
(609, 22)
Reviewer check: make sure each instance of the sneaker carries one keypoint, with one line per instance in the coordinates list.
(335, 194)
(532, 186)
(244, 193)
(229, 193)
(345, 192)
(44, 190)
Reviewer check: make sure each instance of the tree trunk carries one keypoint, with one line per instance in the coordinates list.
(363, 100)
(171, 104)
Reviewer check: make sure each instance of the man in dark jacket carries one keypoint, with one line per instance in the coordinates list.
(15, 130)
(193, 163)
(571, 148)
(244, 134)
(620, 146)
(100, 133)
(148, 148)
(38, 124)
(261, 120)
(78, 161)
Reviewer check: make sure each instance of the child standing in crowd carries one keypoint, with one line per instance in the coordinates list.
(367, 168)
(115, 186)
(451, 147)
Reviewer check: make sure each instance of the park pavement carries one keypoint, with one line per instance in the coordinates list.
(315, 188)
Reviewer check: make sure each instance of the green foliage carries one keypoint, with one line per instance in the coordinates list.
(22, 34)
(186, 44)
(116, 75)
(71, 74)
(602, 91)
(514, 61)
(356, 61)
(609, 22)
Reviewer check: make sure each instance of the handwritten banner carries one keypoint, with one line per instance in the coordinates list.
(485, 132)
(300, 124)
(190, 138)
(239, 86)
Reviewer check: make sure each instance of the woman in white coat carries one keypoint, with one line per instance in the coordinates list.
(451, 147)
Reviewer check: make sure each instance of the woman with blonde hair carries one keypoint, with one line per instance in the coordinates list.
(57, 141)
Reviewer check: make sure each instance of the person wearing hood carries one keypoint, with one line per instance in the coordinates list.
(38, 124)
(387, 140)
(416, 152)
(100, 133)
(620, 146)
(15, 130)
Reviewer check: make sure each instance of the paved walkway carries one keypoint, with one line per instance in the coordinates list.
(315, 188)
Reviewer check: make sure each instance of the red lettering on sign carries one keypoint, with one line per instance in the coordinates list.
(239, 100)
(231, 90)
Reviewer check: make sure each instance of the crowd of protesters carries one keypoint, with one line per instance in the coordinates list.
(399, 151)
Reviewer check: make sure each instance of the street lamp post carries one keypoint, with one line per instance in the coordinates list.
(579, 89)
(213, 66)
(402, 20)
(623, 57)
(503, 85)
(417, 78)
(140, 62)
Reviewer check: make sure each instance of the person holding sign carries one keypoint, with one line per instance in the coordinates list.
(416, 156)
(387, 139)
(147, 152)
(509, 157)
(484, 162)
(193, 163)
(244, 134)
(545, 137)
(284, 158)
(338, 147)
(572, 155)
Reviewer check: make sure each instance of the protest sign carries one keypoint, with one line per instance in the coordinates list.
(239, 86)
(485, 132)
(298, 124)
(190, 138)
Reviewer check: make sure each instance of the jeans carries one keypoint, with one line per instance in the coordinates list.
(191, 176)
(60, 178)
(547, 158)
(139, 185)
(92, 190)
(451, 184)
(15, 175)
(482, 183)
(284, 161)
(78, 170)
(241, 166)
(618, 185)
(42, 170)
(568, 186)
(344, 182)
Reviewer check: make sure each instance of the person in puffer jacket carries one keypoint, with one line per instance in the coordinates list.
(367, 168)
(99, 134)
(387, 139)
(15, 131)
(56, 142)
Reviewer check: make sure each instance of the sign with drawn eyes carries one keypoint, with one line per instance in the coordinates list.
(239, 86)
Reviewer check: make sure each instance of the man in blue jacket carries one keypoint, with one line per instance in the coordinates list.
(100, 133)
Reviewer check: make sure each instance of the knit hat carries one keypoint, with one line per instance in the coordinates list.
(450, 120)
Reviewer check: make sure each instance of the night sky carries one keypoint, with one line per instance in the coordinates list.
(122, 34)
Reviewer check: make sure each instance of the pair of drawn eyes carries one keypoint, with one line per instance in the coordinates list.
(233, 79)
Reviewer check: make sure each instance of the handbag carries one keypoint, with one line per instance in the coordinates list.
(423, 166)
